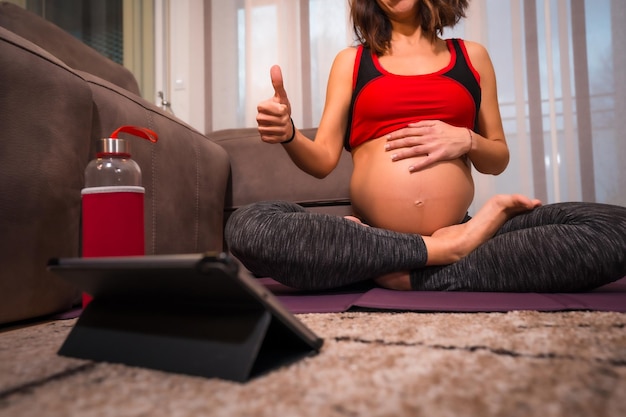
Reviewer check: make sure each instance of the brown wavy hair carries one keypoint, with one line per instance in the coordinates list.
(372, 27)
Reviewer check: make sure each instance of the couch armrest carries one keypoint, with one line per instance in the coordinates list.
(184, 174)
(260, 171)
(45, 115)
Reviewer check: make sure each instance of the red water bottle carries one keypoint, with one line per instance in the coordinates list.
(113, 200)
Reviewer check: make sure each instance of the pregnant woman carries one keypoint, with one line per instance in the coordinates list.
(416, 111)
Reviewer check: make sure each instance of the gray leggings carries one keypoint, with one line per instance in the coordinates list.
(562, 247)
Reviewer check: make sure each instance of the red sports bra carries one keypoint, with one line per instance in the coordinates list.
(383, 102)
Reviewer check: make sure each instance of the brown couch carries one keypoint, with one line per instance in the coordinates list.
(57, 98)
(260, 171)
(52, 114)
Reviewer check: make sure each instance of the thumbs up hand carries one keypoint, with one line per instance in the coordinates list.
(274, 114)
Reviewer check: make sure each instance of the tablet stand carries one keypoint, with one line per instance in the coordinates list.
(234, 345)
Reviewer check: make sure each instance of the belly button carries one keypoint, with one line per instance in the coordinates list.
(419, 203)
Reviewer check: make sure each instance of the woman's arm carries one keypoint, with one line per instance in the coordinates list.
(318, 157)
(489, 152)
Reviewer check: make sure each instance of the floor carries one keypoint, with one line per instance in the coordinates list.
(521, 363)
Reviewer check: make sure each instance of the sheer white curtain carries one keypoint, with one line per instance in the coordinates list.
(559, 64)
(249, 36)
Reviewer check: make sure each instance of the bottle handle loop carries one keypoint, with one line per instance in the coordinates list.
(142, 132)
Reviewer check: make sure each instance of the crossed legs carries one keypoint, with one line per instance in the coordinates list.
(511, 244)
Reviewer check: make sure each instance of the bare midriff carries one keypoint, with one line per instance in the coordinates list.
(385, 194)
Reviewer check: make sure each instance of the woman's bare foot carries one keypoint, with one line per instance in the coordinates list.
(356, 220)
(452, 243)
(449, 244)
(395, 281)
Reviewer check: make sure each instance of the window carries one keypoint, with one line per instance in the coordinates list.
(97, 23)
(121, 30)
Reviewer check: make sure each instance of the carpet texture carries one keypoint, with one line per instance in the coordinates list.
(520, 363)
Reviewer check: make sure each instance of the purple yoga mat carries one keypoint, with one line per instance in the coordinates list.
(611, 297)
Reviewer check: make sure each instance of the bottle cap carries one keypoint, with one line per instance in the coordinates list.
(113, 146)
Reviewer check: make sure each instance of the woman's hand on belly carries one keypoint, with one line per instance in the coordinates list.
(385, 194)
(432, 140)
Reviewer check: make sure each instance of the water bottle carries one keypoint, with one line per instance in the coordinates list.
(112, 204)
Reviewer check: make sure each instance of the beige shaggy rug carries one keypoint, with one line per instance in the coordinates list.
(372, 364)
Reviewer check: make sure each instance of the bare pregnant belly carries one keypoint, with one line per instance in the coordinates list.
(385, 194)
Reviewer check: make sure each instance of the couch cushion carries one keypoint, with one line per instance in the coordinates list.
(64, 46)
(260, 171)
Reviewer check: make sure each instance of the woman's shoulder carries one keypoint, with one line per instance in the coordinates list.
(345, 58)
(478, 57)
(476, 51)
(348, 54)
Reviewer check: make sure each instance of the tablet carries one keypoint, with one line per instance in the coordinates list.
(192, 293)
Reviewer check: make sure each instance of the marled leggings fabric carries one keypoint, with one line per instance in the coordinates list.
(560, 247)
